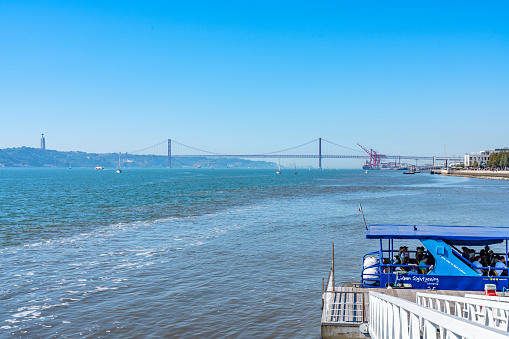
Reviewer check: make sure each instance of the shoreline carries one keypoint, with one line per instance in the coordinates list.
(493, 175)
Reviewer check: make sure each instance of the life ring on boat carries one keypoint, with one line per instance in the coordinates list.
(371, 272)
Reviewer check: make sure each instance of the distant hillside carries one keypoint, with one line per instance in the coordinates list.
(35, 157)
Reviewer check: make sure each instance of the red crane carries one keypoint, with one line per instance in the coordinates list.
(374, 157)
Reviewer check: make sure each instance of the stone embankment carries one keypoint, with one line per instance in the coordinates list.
(497, 175)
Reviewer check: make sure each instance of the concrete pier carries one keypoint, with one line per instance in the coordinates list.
(497, 175)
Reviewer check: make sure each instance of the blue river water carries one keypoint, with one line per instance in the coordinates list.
(202, 253)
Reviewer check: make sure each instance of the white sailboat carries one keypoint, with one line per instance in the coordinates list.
(119, 170)
(279, 167)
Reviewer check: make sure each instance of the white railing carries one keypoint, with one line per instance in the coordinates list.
(491, 313)
(487, 297)
(392, 317)
(328, 299)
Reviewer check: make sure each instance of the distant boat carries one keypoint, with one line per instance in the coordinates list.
(99, 167)
(366, 171)
(279, 167)
(119, 170)
(295, 166)
(70, 166)
(409, 172)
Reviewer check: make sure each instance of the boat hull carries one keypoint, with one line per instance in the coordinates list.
(442, 282)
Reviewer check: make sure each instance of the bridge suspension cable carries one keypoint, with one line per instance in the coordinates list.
(289, 149)
(147, 148)
(196, 149)
(348, 148)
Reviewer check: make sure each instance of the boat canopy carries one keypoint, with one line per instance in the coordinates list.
(454, 235)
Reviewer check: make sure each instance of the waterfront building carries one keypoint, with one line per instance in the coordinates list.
(482, 157)
(43, 142)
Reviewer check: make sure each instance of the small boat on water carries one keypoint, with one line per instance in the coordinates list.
(279, 168)
(119, 170)
(399, 275)
(99, 167)
(445, 267)
(409, 172)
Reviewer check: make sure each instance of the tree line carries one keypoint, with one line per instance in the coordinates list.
(35, 157)
(499, 160)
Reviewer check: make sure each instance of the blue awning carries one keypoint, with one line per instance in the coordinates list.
(458, 235)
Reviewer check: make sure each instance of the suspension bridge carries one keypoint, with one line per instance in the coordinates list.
(315, 149)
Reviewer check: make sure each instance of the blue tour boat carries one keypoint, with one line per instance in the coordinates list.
(450, 271)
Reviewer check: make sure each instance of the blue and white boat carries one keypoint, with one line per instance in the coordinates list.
(450, 271)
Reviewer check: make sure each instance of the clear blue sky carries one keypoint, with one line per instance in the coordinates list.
(402, 77)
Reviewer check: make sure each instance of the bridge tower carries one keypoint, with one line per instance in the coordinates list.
(320, 153)
(169, 153)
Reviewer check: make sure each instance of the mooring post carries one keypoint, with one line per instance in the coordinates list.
(169, 153)
(320, 153)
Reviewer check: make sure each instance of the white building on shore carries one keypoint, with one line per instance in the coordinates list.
(482, 157)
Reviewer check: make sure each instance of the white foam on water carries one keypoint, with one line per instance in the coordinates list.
(35, 315)
(148, 254)
(55, 305)
(30, 308)
(125, 265)
(22, 314)
(12, 321)
(33, 245)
